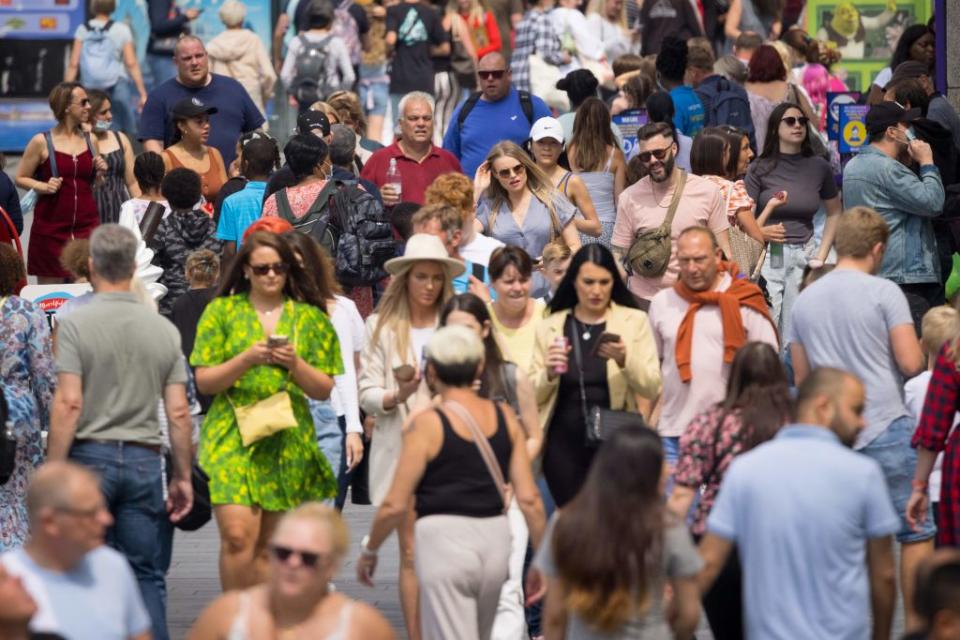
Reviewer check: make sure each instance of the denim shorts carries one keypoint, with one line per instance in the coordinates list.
(892, 451)
(374, 90)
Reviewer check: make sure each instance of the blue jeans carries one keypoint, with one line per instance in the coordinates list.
(162, 68)
(132, 487)
(898, 460)
(122, 101)
(331, 435)
(783, 283)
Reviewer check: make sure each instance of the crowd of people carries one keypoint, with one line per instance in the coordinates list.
(600, 380)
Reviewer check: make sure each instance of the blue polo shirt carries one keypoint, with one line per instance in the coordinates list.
(487, 124)
(801, 509)
(240, 210)
(688, 114)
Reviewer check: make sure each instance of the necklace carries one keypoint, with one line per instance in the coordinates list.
(586, 329)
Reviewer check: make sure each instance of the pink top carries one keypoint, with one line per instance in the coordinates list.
(738, 198)
(682, 401)
(300, 197)
(638, 209)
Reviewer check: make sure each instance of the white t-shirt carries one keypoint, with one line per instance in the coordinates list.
(350, 331)
(883, 77)
(479, 249)
(98, 600)
(914, 394)
(420, 338)
(119, 33)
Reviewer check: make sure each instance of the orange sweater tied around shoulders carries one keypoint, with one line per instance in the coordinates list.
(740, 293)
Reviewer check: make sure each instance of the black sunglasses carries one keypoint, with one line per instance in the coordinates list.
(308, 559)
(792, 121)
(496, 73)
(517, 169)
(279, 268)
(659, 154)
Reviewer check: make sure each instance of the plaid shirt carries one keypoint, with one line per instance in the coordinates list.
(535, 34)
(942, 402)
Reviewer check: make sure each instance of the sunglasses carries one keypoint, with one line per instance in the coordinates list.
(659, 154)
(495, 74)
(516, 170)
(308, 559)
(279, 268)
(792, 121)
(83, 103)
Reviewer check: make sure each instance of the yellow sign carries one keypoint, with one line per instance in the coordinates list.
(855, 133)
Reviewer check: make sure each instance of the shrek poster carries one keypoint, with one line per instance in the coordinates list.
(864, 32)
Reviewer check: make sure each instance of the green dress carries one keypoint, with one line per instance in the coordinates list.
(286, 469)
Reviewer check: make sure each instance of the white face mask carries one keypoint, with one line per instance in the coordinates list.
(101, 126)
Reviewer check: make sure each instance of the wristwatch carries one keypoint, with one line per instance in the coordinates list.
(365, 549)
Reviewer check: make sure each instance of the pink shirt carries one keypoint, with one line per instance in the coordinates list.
(708, 385)
(638, 209)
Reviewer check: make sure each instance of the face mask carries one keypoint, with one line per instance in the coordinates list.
(101, 125)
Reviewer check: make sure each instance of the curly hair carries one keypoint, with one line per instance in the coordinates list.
(12, 270)
(348, 108)
(672, 61)
(454, 189)
(75, 258)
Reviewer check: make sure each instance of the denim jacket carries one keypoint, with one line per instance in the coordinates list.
(908, 203)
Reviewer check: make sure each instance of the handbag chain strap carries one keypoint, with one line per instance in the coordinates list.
(289, 376)
(483, 446)
(579, 360)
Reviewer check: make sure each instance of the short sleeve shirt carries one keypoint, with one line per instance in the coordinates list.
(119, 33)
(639, 209)
(417, 26)
(99, 598)
(239, 211)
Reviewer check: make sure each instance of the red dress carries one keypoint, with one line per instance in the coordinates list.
(69, 213)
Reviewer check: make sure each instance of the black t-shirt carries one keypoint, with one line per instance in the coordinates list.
(417, 26)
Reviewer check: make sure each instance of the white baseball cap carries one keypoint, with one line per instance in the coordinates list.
(547, 128)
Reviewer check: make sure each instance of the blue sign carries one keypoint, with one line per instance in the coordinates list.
(834, 100)
(853, 130)
(40, 19)
(629, 122)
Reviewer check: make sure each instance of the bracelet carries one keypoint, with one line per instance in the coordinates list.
(365, 550)
(919, 485)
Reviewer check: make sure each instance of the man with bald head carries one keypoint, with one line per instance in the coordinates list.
(83, 589)
(812, 521)
(497, 112)
(235, 113)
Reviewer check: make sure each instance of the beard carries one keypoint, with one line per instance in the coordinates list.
(668, 163)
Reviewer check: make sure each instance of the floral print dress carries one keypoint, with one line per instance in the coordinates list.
(286, 469)
(28, 378)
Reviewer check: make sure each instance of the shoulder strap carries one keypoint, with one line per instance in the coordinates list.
(86, 138)
(467, 107)
(674, 203)
(578, 359)
(565, 181)
(283, 206)
(52, 153)
(526, 104)
(483, 446)
(123, 153)
(107, 26)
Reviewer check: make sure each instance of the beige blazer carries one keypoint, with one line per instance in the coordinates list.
(376, 381)
(640, 375)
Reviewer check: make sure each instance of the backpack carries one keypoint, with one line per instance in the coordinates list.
(526, 104)
(725, 102)
(100, 66)
(310, 80)
(351, 225)
(345, 27)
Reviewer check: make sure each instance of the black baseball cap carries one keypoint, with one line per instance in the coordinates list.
(190, 108)
(310, 120)
(888, 114)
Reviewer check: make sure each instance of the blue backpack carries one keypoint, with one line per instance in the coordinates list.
(100, 66)
(726, 102)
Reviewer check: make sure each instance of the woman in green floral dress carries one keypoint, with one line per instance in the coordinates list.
(266, 293)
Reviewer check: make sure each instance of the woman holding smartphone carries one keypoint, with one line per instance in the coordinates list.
(266, 332)
(391, 382)
(618, 362)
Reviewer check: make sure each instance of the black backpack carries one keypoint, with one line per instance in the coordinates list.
(526, 103)
(726, 102)
(310, 82)
(350, 224)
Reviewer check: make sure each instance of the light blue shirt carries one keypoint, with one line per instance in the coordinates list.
(801, 509)
(240, 210)
(688, 114)
(98, 600)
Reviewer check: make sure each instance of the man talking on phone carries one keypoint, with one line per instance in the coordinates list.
(698, 325)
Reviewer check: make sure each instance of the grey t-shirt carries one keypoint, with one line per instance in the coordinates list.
(126, 354)
(844, 320)
(680, 560)
(940, 110)
(806, 179)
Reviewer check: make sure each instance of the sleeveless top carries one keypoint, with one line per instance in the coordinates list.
(112, 192)
(457, 481)
(211, 180)
(239, 629)
(600, 187)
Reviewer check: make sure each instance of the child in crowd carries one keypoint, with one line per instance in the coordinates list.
(556, 258)
(939, 325)
(258, 159)
(937, 596)
(75, 258)
(402, 219)
(148, 169)
(182, 232)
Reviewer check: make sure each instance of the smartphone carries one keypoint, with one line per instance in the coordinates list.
(604, 338)
(911, 136)
(277, 341)
(404, 372)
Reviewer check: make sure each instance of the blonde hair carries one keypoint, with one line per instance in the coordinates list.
(393, 311)
(332, 114)
(785, 55)
(537, 183)
(448, 215)
(202, 267)
(319, 513)
(600, 6)
(454, 345)
(348, 103)
(940, 325)
(477, 11)
(858, 232)
(555, 251)
(233, 13)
